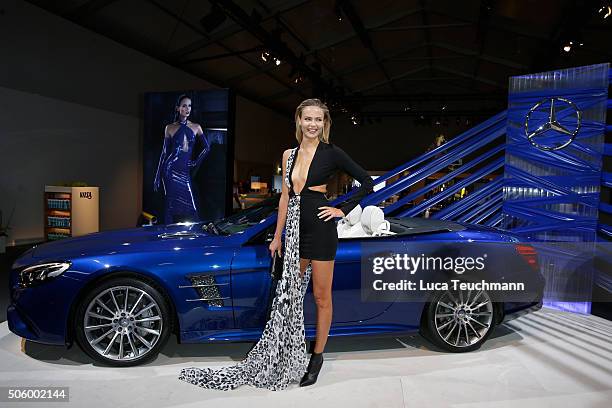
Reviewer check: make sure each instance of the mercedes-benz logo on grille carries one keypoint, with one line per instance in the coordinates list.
(558, 136)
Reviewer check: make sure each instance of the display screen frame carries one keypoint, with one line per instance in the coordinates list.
(211, 182)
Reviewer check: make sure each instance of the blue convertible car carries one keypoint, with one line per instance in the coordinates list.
(120, 294)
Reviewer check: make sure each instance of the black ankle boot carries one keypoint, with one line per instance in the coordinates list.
(314, 366)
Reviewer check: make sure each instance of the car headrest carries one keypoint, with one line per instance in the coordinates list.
(354, 216)
(349, 221)
(372, 218)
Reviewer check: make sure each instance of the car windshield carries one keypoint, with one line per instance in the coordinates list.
(248, 217)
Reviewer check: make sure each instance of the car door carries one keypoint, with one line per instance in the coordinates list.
(347, 305)
(252, 286)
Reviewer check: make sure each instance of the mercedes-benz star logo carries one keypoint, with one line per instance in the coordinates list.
(553, 125)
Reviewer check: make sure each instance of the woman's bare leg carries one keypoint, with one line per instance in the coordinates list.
(322, 276)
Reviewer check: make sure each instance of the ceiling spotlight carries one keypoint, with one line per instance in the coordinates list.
(570, 45)
(407, 108)
(605, 11)
(338, 11)
(355, 119)
(567, 47)
(299, 78)
(267, 57)
(443, 107)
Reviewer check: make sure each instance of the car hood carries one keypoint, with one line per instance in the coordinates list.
(154, 238)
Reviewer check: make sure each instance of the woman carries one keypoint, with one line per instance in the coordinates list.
(176, 162)
(280, 356)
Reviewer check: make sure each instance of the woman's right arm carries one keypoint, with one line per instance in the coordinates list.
(162, 158)
(283, 203)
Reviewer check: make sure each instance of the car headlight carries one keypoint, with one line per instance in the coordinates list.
(36, 274)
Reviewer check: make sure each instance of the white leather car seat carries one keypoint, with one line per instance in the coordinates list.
(373, 220)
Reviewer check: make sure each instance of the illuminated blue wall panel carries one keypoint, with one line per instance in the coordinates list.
(554, 145)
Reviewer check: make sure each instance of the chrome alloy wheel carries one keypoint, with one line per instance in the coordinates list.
(462, 320)
(123, 323)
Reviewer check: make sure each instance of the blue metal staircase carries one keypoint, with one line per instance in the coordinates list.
(428, 184)
(480, 150)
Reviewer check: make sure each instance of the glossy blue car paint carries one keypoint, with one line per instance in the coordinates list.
(240, 264)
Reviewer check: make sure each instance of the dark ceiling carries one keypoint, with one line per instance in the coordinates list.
(373, 57)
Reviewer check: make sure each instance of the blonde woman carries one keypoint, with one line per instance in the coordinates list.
(280, 356)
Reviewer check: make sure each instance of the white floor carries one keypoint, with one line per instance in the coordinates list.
(545, 359)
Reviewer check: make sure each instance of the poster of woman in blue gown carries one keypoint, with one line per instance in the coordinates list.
(186, 168)
(175, 163)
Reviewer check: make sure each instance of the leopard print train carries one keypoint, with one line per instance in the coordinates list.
(280, 357)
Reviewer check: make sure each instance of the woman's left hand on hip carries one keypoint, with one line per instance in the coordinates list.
(328, 213)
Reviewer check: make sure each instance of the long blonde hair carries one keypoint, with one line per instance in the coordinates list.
(324, 136)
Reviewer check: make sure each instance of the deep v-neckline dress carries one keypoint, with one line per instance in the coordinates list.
(279, 358)
(290, 171)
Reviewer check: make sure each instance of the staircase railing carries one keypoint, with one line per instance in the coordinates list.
(483, 145)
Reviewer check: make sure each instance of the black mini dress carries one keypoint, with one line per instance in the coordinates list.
(319, 238)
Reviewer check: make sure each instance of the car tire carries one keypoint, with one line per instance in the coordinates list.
(123, 322)
(458, 321)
